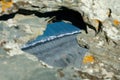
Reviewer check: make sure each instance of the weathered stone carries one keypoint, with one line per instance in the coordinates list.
(111, 31)
(105, 46)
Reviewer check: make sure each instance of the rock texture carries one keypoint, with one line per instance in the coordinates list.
(18, 27)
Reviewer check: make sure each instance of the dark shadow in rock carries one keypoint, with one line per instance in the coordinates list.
(63, 13)
(7, 16)
(67, 14)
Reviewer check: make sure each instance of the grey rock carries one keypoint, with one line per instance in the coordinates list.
(103, 52)
(17, 67)
(100, 9)
(1, 27)
(42, 74)
(107, 58)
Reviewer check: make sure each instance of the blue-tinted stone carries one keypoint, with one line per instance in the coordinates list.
(53, 31)
(60, 51)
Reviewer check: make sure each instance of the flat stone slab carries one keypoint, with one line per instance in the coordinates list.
(58, 46)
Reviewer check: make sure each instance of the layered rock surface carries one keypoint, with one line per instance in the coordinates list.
(17, 28)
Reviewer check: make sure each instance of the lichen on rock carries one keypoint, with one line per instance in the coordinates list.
(17, 29)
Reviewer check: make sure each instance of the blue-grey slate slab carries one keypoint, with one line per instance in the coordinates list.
(58, 46)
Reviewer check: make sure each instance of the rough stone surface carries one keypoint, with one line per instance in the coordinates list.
(20, 28)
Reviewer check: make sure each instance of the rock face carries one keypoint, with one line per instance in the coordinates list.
(23, 20)
(100, 9)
